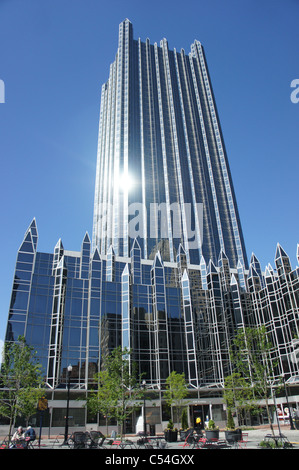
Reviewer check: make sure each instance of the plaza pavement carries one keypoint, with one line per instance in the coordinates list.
(255, 436)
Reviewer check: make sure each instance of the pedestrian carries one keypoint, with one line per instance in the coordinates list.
(198, 423)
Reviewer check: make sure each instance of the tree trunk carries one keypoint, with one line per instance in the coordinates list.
(269, 417)
(106, 425)
(10, 427)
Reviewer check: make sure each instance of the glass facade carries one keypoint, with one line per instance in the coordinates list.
(162, 171)
(75, 307)
(175, 306)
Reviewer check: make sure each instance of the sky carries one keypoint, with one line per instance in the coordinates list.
(55, 56)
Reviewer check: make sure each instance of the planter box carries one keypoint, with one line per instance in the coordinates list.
(171, 436)
(234, 435)
(212, 433)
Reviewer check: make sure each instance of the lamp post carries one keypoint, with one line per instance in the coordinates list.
(144, 409)
(287, 399)
(66, 430)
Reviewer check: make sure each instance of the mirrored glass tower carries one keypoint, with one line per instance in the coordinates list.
(166, 276)
(162, 170)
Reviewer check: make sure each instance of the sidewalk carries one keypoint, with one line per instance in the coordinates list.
(255, 436)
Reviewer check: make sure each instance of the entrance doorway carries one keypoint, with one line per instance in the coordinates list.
(198, 414)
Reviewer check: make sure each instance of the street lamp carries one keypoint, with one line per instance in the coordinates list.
(287, 399)
(144, 410)
(66, 430)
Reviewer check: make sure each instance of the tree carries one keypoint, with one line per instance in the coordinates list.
(176, 391)
(119, 388)
(230, 424)
(251, 355)
(21, 381)
(28, 398)
(103, 400)
(184, 418)
(238, 395)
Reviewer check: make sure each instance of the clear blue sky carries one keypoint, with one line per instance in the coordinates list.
(54, 57)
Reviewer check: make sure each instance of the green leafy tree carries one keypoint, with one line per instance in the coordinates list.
(251, 355)
(230, 420)
(118, 389)
(28, 397)
(184, 418)
(103, 400)
(176, 392)
(21, 381)
(238, 395)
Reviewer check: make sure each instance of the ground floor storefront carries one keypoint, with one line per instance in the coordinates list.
(198, 409)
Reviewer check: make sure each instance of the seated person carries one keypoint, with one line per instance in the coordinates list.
(18, 439)
(30, 435)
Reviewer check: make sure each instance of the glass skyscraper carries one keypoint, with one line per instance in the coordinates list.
(165, 273)
(162, 171)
